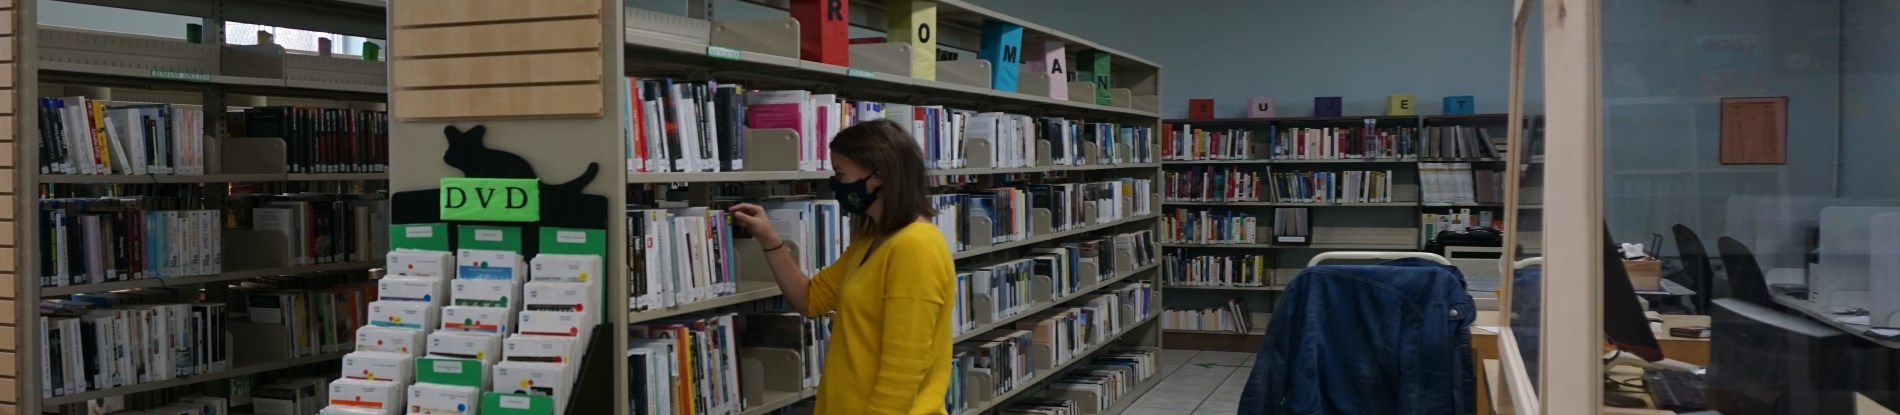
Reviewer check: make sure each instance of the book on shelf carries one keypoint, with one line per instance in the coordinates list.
(1213, 184)
(97, 240)
(1005, 356)
(88, 136)
(1217, 270)
(678, 256)
(1369, 141)
(1459, 183)
(1459, 142)
(320, 140)
(317, 228)
(1183, 142)
(1210, 226)
(1292, 226)
(703, 350)
(1231, 317)
(1352, 186)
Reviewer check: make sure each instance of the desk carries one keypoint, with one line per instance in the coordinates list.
(1817, 313)
(1491, 368)
(1484, 344)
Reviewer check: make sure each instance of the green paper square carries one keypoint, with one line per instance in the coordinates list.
(423, 236)
(500, 200)
(498, 403)
(488, 238)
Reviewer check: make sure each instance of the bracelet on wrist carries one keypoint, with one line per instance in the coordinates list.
(781, 245)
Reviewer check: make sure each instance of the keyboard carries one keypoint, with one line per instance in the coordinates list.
(1676, 390)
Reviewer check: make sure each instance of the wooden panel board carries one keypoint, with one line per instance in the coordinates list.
(7, 310)
(497, 38)
(6, 150)
(9, 285)
(6, 22)
(7, 341)
(6, 212)
(9, 410)
(6, 229)
(498, 70)
(7, 364)
(6, 129)
(6, 75)
(6, 178)
(9, 390)
(507, 102)
(440, 12)
(6, 101)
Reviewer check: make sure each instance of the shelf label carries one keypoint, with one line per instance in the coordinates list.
(181, 75)
(571, 237)
(860, 73)
(502, 200)
(448, 366)
(723, 53)
(516, 402)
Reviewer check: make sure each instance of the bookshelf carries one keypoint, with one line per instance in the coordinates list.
(1385, 225)
(213, 77)
(578, 121)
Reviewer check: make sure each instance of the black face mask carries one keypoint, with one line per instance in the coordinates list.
(855, 197)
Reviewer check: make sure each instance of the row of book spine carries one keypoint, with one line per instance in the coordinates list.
(320, 140)
(95, 137)
(702, 350)
(1459, 142)
(317, 228)
(1107, 380)
(1185, 143)
(1460, 183)
(1217, 270)
(1292, 225)
(1009, 359)
(1209, 226)
(100, 341)
(1458, 221)
(85, 241)
(1352, 186)
(1343, 143)
(1213, 184)
(681, 126)
(678, 256)
(1231, 317)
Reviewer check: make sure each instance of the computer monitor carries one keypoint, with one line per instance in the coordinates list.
(1763, 361)
(1623, 319)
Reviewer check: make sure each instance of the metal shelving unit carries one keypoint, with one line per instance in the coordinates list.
(208, 73)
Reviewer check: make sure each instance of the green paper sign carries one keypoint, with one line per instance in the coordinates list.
(501, 200)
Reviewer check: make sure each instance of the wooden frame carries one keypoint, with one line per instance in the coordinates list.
(1572, 334)
(1518, 388)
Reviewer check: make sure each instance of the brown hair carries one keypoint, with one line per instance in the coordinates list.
(892, 155)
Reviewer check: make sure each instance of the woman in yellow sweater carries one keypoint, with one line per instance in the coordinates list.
(891, 289)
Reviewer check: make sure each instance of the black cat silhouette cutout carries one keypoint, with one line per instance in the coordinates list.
(468, 154)
(564, 205)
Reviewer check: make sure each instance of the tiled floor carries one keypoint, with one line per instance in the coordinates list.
(1196, 383)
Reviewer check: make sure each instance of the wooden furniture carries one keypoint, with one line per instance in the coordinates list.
(1484, 344)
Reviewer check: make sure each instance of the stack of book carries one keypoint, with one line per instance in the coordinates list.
(1458, 142)
(1230, 318)
(320, 140)
(1213, 184)
(1344, 143)
(679, 256)
(1449, 183)
(1354, 186)
(1216, 270)
(95, 240)
(1207, 226)
(1186, 143)
(88, 136)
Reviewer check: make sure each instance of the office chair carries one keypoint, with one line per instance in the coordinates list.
(1695, 266)
(1744, 274)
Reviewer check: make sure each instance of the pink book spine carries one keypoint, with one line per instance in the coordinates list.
(824, 142)
(772, 116)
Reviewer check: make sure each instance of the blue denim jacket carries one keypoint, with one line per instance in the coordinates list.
(1367, 339)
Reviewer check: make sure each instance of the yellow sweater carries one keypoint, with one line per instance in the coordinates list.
(890, 338)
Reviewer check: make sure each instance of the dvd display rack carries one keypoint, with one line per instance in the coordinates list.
(1363, 185)
(552, 83)
(200, 86)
